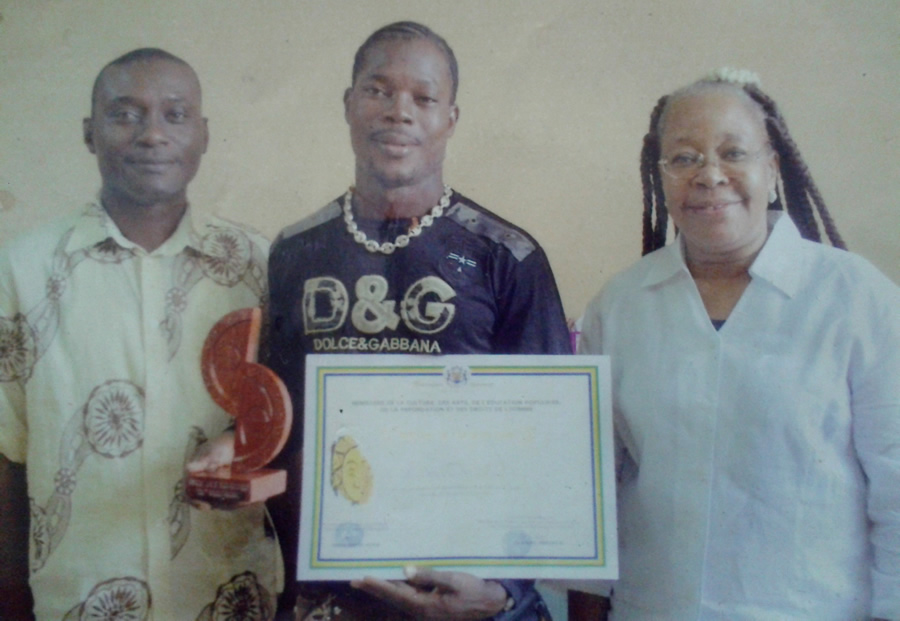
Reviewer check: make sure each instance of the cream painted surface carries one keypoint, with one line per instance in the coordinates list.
(555, 98)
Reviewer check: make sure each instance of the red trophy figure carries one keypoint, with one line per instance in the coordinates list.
(260, 404)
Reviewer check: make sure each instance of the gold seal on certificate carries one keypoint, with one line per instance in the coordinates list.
(260, 404)
(351, 475)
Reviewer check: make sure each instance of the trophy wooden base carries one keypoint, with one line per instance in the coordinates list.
(228, 487)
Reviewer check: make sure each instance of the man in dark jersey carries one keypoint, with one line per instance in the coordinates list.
(403, 264)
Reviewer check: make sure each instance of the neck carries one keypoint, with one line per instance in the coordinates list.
(389, 203)
(711, 269)
(148, 226)
(725, 264)
(720, 283)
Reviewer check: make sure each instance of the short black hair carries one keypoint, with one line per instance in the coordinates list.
(134, 56)
(407, 31)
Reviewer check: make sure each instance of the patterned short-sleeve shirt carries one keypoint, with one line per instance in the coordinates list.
(101, 396)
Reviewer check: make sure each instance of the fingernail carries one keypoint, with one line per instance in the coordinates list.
(410, 572)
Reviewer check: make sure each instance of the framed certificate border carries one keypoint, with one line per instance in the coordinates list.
(579, 537)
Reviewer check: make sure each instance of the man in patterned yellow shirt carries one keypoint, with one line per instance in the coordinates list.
(103, 315)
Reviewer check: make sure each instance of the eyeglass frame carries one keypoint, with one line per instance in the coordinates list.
(729, 168)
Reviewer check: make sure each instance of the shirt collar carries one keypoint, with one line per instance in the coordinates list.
(94, 226)
(778, 263)
(668, 263)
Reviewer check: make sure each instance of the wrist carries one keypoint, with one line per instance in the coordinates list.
(501, 599)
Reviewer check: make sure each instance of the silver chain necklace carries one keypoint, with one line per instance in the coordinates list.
(402, 240)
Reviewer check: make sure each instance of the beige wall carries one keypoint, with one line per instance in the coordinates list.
(555, 98)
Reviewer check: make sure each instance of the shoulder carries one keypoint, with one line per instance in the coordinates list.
(49, 231)
(640, 278)
(217, 225)
(477, 220)
(842, 263)
(631, 299)
(28, 259)
(618, 311)
(29, 244)
(327, 214)
(804, 269)
(847, 276)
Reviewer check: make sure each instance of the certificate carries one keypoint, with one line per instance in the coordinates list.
(499, 466)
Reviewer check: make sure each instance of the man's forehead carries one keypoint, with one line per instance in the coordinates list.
(384, 53)
(176, 78)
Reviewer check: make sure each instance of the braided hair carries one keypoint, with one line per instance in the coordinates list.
(800, 191)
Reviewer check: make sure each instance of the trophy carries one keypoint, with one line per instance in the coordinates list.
(260, 404)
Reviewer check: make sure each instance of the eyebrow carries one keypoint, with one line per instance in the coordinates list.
(725, 138)
(380, 77)
(129, 100)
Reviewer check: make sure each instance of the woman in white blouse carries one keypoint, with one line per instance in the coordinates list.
(756, 383)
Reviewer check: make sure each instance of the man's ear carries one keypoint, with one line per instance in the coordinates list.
(347, 103)
(205, 133)
(454, 118)
(87, 129)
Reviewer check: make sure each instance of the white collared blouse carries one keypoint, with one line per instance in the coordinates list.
(760, 463)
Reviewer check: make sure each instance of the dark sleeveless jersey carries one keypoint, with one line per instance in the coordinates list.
(470, 283)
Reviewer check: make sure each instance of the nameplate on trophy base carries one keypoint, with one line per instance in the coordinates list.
(226, 486)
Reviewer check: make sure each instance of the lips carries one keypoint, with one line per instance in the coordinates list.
(393, 136)
(394, 142)
(151, 165)
(709, 206)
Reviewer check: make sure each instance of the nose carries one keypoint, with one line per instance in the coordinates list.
(399, 109)
(153, 131)
(710, 173)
